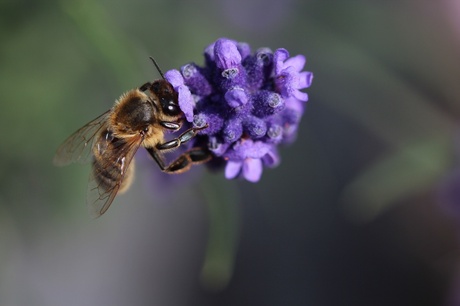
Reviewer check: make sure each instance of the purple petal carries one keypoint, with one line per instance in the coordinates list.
(302, 96)
(282, 85)
(248, 149)
(297, 62)
(186, 102)
(226, 54)
(287, 82)
(236, 97)
(279, 57)
(252, 169)
(305, 79)
(232, 169)
(295, 105)
(271, 159)
(258, 149)
(174, 77)
(238, 150)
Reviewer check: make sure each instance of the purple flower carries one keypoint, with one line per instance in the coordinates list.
(251, 103)
(289, 78)
(247, 157)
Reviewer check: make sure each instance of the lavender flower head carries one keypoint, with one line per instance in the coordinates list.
(251, 102)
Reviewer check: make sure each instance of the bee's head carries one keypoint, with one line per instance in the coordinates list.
(167, 98)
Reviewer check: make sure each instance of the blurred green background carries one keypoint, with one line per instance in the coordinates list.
(352, 216)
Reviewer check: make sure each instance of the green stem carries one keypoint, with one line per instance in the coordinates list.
(222, 198)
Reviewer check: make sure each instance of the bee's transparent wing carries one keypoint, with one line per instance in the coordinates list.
(78, 147)
(111, 172)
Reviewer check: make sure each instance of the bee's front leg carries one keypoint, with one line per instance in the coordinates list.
(183, 138)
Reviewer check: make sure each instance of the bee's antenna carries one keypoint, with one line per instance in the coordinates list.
(158, 67)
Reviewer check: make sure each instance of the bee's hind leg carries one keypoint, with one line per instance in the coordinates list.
(183, 162)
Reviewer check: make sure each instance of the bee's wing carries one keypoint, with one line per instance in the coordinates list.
(110, 172)
(78, 147)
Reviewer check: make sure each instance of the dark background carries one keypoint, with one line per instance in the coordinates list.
(361, 211)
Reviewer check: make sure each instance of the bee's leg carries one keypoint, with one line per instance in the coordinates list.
(183, 162)
(174, 126)
(183, 138)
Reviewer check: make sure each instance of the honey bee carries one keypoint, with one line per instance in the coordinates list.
(139, 118)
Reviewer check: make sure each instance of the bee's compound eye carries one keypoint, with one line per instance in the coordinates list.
(171, 109)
